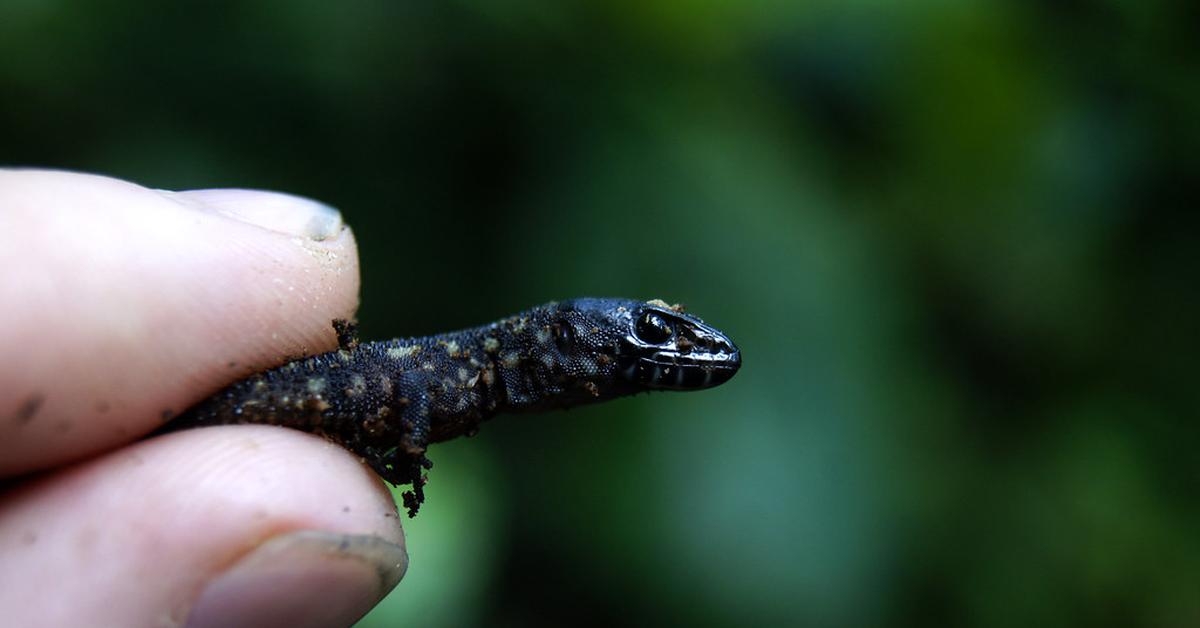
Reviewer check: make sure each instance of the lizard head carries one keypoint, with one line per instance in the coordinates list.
(640, 345)
(665, 348)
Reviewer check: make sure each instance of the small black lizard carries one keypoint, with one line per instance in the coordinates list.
(388, 401)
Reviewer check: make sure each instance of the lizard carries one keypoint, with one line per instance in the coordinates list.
(388, 401)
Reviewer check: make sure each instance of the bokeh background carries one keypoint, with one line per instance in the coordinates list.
(955, 241)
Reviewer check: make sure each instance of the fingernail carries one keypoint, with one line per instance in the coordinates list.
(305, 578)
(285, 213)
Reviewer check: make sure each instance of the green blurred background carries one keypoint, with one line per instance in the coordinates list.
(955, 242)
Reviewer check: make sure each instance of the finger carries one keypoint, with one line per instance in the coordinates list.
(124, 305)
(240, 525)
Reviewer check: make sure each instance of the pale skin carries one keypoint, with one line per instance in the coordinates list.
(121, 306)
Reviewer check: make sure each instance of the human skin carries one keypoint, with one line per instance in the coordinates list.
(121, 306)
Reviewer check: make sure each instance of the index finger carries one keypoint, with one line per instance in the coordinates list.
(122, 305)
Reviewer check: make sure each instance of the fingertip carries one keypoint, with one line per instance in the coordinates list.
(205, 521)
(133, 304)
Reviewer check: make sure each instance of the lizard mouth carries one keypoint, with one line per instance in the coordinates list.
(685, 372)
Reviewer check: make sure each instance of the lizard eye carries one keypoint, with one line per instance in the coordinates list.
(563, 337)
(653, 329)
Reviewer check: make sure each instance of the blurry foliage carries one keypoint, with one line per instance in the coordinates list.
(955, 242)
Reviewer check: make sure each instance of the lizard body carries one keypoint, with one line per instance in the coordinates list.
(388, 401)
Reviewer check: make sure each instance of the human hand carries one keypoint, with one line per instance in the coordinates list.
(120, 306)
